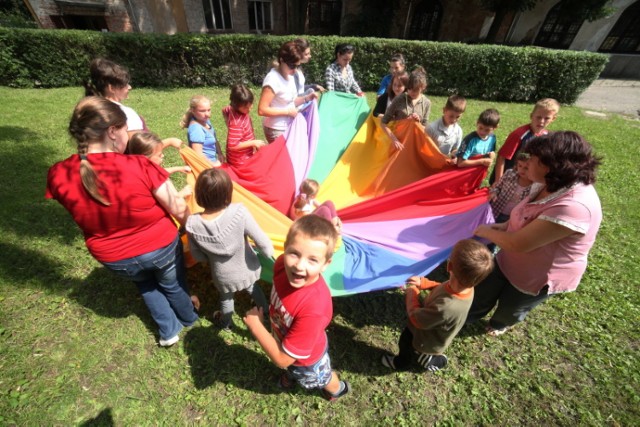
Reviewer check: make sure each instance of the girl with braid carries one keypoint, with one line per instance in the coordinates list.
(123, 204)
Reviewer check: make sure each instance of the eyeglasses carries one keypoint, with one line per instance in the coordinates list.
(293, 66)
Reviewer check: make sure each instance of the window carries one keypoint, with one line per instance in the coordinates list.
(260, 14)
(558, 31)
(324, 16)
(625, 34)
(426, 21)
(79, 22)
(217, 14)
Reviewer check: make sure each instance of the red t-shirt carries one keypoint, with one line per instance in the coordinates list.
(134, 223)
(240, 129)
(299, 316)
(517, 140)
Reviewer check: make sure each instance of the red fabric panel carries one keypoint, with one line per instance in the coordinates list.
(268, 175)
(443, 192)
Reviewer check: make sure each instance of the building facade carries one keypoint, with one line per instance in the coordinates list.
(448, 20)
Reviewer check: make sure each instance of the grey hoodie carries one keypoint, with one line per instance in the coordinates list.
(222, 242)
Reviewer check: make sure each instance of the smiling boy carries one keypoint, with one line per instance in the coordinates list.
(544, 113)
(301, 309)
(478, 148)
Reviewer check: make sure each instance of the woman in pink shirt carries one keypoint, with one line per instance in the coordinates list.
(545, 243)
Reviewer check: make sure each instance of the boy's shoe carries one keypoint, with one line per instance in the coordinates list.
(285, 381)
(496, 332)
(169, 342)
(333, 397)
(387, 360)
(432, 362)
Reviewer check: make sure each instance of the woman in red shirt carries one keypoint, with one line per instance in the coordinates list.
(123, 205)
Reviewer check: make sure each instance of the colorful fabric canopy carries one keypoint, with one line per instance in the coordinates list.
(402, 212)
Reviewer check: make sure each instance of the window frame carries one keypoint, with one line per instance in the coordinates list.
(253, 5)
(212, 15)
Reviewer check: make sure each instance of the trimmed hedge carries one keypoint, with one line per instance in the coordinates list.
(55, 58)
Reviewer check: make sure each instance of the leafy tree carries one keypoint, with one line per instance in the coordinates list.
(14, 13)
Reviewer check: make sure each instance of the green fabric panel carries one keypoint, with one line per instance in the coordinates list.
(341, 115)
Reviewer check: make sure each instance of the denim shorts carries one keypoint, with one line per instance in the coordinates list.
(313, 376)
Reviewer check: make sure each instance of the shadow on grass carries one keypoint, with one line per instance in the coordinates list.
(348, 353)
(213, 360)
(385, 308)
(103, 419)
(101, 292)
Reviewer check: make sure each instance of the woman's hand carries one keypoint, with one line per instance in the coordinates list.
(292, 112)
(415, 117)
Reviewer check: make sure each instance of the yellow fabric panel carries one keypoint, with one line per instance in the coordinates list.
(369, 168)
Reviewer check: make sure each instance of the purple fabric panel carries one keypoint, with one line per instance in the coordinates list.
(302, 140)
(420, 238)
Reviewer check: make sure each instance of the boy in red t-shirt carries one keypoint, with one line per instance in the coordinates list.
(300, 310)
(543, 114)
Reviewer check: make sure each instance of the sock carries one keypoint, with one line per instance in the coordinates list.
(340, 390)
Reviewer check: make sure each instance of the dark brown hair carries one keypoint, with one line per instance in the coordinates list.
(568, 156)
(471, 262)
(490, 117)
(403, 76)
(91, 119)
(342, 48)
(316, 228)
(240, 95)
(214, 189)
(289, 53)
(104, 73)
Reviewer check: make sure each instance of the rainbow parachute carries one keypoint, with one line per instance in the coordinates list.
(401, 212)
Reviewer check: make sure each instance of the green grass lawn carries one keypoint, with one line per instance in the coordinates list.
(78, 346)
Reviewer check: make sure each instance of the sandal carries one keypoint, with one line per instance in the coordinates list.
(285, 381)
(333, 397)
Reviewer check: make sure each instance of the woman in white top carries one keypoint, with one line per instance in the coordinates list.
(111, 81)
(279, 98)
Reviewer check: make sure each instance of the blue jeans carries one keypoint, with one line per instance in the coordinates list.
(161, 279)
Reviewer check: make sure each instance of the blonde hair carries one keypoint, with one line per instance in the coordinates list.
(471, 262)
(193, 103)
(143, 143)
(91, 119)
(547, 104)
(314, 227)
(309, 188)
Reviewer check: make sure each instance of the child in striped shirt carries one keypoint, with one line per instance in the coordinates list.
(241, 141)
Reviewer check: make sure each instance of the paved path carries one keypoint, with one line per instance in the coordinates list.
(612, 96)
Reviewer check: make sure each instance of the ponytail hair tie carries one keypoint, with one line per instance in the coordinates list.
(83, 157)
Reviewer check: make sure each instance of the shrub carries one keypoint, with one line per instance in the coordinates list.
(54, 58)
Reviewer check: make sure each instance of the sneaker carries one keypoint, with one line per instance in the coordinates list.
(388, 361)
(432, 362)
(169, 342)
(333, 397)
(285, 381)
(496, 332)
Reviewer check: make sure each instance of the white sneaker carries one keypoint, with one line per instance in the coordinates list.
(168, 343)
